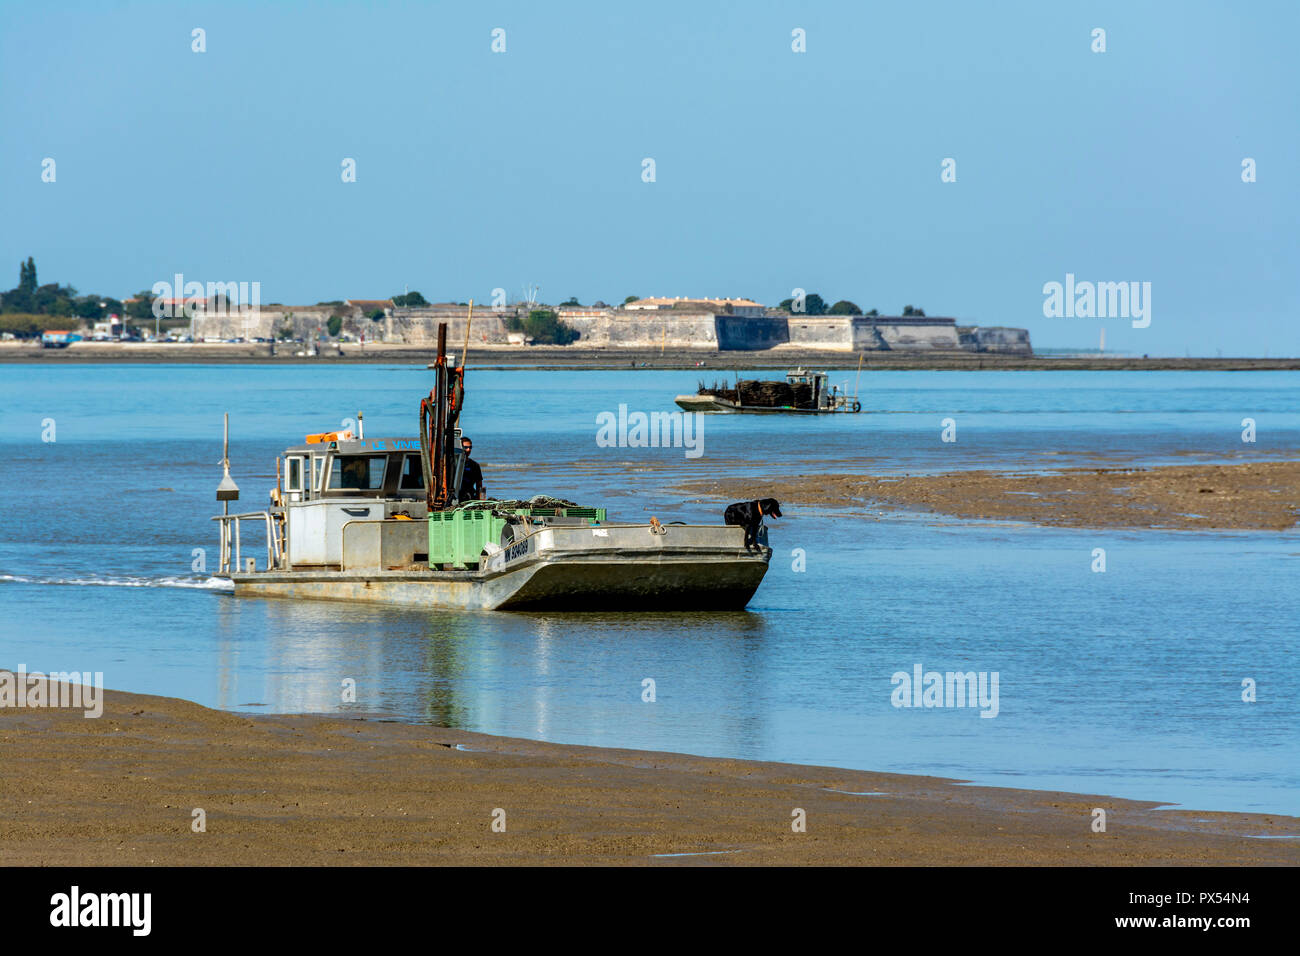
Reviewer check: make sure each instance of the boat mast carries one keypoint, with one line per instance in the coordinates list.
(439, 414)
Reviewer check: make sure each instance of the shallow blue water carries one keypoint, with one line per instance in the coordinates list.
(1124, 683)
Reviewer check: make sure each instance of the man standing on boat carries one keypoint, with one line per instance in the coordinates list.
(471, 482)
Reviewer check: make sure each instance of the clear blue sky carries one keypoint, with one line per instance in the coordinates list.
(775, 170)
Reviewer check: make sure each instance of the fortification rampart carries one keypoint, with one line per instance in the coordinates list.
(621, 329)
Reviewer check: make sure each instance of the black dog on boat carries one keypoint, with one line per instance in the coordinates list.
(750, 514)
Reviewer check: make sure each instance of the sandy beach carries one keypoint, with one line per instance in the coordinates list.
(321, 790)
(1256, 495)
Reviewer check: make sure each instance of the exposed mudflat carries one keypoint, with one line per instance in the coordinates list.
(1256, 495)
(123, 789)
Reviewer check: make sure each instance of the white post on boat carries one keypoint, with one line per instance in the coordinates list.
(361, 428)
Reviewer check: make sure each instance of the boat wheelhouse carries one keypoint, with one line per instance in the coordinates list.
(327, 485)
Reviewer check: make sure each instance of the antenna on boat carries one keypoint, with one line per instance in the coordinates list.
(468, 322)
(227, 491)
(856, 381)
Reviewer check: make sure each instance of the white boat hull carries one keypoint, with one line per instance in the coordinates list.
(613, 567)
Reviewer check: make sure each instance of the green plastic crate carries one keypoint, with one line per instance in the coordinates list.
(456, 538)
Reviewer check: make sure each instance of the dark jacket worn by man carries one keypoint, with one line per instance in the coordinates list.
(471, 483)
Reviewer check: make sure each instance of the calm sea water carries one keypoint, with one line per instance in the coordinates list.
(1126, 683)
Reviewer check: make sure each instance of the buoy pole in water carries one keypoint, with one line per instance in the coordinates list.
(227, 492)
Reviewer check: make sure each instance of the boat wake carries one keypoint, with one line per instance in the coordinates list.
(194, 583)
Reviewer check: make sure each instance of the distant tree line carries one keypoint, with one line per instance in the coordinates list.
(31, 298)
(29, 308)
(816, 305)
(409, 300)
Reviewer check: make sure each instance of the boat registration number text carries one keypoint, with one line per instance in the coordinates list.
(519, 549)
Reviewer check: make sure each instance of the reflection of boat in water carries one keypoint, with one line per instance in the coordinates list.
(803, 392)
(381, 520)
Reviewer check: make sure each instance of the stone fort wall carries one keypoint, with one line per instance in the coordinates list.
(619, 329)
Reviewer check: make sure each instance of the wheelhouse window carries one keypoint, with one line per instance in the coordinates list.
(293, 474)
(360, 472)
(412, 474)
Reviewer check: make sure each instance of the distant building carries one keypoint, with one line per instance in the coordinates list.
(108, 329)
(583, 313)
(58, 338)
(366, 306)
(720, 306)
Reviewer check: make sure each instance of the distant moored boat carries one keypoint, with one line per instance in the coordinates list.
(801, 392)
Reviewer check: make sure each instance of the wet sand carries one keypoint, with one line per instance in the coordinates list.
(1256, 495)
(121, 789)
